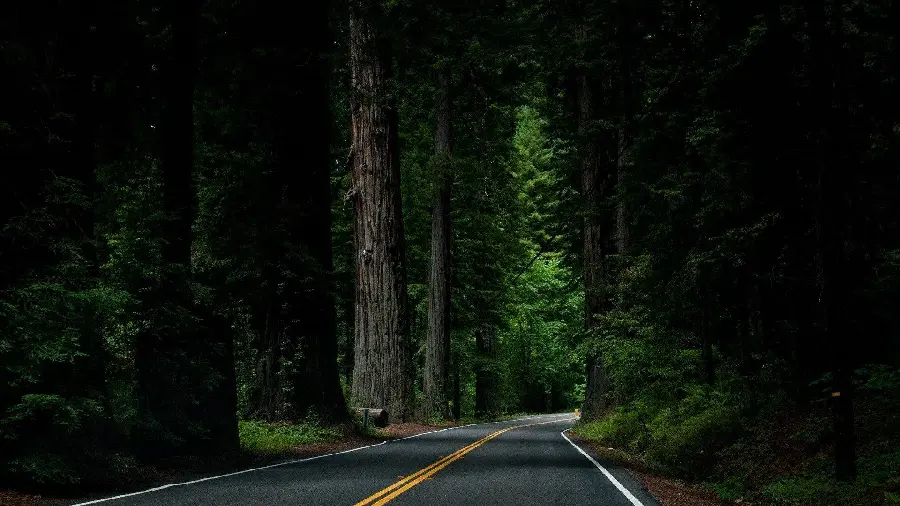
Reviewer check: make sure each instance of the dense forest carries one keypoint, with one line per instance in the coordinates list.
(679, 217)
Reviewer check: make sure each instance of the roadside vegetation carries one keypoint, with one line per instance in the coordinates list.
(277, 438)
(762, 450)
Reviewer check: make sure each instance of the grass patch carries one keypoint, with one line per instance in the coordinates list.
(270, 438)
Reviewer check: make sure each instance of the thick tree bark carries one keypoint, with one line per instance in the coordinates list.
(437, 344)
(318, 385)
(596, 237)
(381, 376)
(297, 367)
(267, 397)
(622, 235)
(625, 43)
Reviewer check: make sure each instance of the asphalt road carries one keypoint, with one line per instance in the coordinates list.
(527, 461)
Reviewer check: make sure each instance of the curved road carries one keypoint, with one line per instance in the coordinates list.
(525, 461)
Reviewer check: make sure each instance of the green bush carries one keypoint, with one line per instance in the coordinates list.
(796, 490)
(878, 477)
(271, 438)
(623, 429)
(685, 438)
(681, 437)
(730, 490)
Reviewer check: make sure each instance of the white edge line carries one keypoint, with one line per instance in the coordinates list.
(297, 461)
(628, 495)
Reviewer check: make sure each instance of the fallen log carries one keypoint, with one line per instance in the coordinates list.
(377, 416)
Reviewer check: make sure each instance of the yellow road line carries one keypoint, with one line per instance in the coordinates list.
(413, 476)
(387, 494)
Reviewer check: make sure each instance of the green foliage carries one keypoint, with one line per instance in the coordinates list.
(276, 438)
(879, 379)
(58, 328)
(729, 490)
(879, 479)
(539, 341)
(59, 420)
(624, 428)
(682, 438)
(686, 437)
(802, 490)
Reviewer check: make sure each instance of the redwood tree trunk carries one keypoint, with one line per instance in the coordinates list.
(318, 387)
(437, 344)
(596, 235)
(381, 376)
(625, 41)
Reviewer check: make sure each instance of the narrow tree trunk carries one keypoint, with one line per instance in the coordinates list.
(457, 392)
(381, 375)
(485, 381)
(621, 211)
(437, 343)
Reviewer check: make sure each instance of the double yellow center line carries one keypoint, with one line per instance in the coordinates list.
(386, 495)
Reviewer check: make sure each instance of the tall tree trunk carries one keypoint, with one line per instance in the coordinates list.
(381, 376)
(596, 232)
(270, 395)
(318, 385)
(596, 236)
(621, 211)
(624, 45)
(827, 92)
(437, 343)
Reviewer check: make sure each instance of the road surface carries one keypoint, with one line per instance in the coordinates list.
(526, 461)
